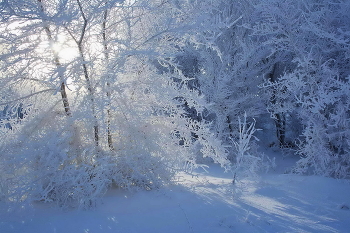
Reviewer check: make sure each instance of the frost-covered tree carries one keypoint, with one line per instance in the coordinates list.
(297, 53)
(226, 63)
(127, 117)
(313, 85)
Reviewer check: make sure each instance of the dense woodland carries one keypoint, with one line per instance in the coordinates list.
(127, 93)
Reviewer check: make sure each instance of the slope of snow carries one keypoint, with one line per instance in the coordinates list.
(204, 202)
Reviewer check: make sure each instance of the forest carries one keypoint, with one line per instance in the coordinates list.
(104, 94)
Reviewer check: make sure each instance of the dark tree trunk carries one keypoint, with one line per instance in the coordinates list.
(280, 123)
(280, 119)
(108, 93)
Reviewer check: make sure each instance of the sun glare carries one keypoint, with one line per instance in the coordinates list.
(65, 52)
(68, 54)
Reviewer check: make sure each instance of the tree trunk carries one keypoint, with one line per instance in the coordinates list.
(91, 95)
(108, 93)
(86, 73)
(281, 129)
(58, 65)
(280, 120)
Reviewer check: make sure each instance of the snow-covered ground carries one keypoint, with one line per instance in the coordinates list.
(205, 202)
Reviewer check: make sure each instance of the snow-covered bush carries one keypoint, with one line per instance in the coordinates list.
(46, 161)
(145, 172)
(322, 109)
(248, 161)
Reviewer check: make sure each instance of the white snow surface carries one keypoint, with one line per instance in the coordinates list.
(202, 202)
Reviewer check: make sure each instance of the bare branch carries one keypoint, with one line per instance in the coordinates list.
(83, 30)
(28, 96)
